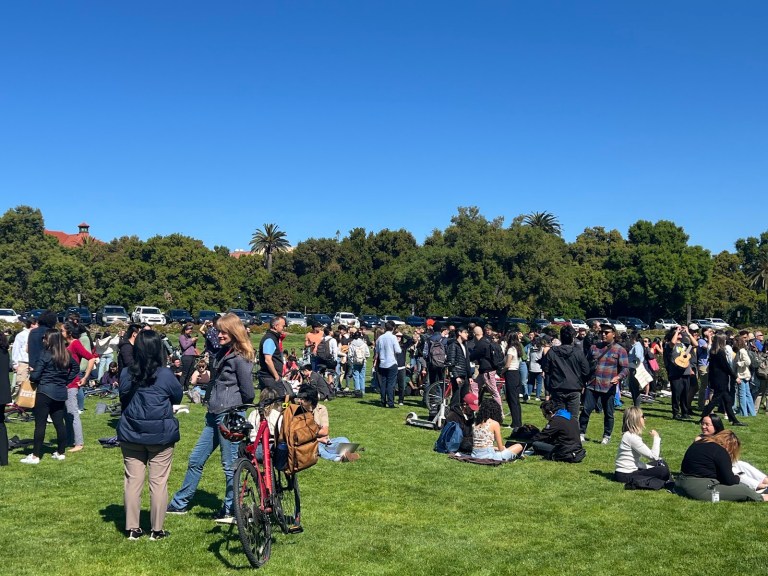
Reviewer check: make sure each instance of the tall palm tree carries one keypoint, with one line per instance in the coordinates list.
(759, 277)
(545, 221)
(268, 240)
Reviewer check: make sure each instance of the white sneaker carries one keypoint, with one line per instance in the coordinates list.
(30, 459)
(57, 456)
(49, 420)
(582, 437)
(606, 440)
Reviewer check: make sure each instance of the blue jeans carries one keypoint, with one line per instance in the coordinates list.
(746, 403)
(328, 451)
(491, 454)
(358, 375)
(104, 363)
(387, 383)
(210, 439)
(524, 379)
(538, 379)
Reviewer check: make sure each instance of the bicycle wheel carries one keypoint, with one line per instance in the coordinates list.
(253, 524)
(287, 500)
(17, 415)
(433, 396)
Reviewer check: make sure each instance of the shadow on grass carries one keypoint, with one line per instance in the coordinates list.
(602, 474)
(115, 514)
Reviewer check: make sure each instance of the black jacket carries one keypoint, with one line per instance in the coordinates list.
(720, 371)
(566, 367)
(457, 360)
(481, 353)
(35, 344)
(5, 380)
(455, 414)
(562, 431)
(147, 416)
(52, 380)
(124, 356)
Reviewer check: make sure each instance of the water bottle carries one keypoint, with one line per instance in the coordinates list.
(715, 494)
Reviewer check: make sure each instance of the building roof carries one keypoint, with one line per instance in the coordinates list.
(72, 240)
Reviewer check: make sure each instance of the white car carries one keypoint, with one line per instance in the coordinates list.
(395, 319)
(295, 319)
(578, 324)
(618, 326)
(346, 318)
(8, 315)
(148, 315)
(665, 324)
(718, 323)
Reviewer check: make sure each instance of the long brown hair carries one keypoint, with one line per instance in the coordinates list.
(728, 440)
(241, 343)
(56, 344)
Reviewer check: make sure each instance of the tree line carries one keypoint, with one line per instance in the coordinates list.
(475, 266)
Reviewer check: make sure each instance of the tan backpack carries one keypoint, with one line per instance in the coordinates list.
(299, 432)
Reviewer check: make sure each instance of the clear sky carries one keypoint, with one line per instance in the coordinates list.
(212, 118)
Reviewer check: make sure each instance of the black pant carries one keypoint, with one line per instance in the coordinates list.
(568, 400)
(187, 367)
(3, 441)
(693, 391)
(680, 397)
(634, 387)
(459, 391)
(436, 374)
(605, 400)
(721, 395)
(44, 407)
(661, 472)
(401, 374)
(512, 389)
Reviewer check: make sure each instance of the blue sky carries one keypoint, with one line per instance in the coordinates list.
(211, 119)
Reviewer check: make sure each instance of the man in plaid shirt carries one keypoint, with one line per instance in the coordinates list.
(612, 365)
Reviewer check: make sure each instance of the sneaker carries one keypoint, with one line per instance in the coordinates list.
(606, 440)
(134, 534)
(400, 404)
(223, 517)
(30, 459)
(49, 420)
(57, 456)
(582, 437)
(173, 510)
(158, 534)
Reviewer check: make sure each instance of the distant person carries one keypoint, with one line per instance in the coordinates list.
(271, 356)
(5, 395)
(125, 349)
(385, 364)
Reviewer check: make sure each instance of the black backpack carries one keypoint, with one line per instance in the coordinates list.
(497, 357)
(437, 356)
(324, 350)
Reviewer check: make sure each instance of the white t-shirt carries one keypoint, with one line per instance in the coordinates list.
(631, 449)
(513, 359)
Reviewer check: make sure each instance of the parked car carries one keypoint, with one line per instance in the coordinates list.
(370, 319)
(149, 315)
(32, 314)
(108, 315)
(205, 315)
(9, 315)
(559, 321)
(346, 318)
(617, 325)
(82, 312)
(295, 319)
(415, 320)
(179, 315)
(515, 323)
(718, 323)
(539, 324)
(665, 324)
(703, 323)
(323, 319)
(396, 319)
(633, 323)
(254, 317)
(246, 318)
(265, 317)
(578, 324)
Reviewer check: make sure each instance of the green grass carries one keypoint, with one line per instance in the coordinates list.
(400, 509)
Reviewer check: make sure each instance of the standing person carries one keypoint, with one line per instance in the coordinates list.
(636, 359)
(5, 395)
(311, 341)
(703, 346)
(271, 356)
(481, 355)
(458, 367)
(436, 352)
(125, 350)
(385, 364)
(535, 373)
(742, 364)
(231, 385)
(567, 370)
(147, 431)
(357, 354)
(211, 335)
(35, 346)
(105, 349)
(674, 348)
(53, 370)
(188, 345)
(632, 448)
(19, 355)
(512, 385)
(720, 373)
(404, 342)
(74, 426)
(611, 365)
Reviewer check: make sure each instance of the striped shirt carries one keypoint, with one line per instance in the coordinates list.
(611, 361)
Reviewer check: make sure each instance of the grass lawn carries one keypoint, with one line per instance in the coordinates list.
(400, 509)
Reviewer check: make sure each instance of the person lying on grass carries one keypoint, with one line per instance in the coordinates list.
(486, 434)
(559, 440)
(328, 447)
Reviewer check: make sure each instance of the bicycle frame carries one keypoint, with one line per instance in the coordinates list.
(263, 468)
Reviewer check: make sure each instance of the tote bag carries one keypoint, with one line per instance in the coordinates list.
(27, 395)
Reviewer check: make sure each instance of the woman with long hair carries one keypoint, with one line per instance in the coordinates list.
(720, 373)
(708, 466)
(512, 386)
(53, 371)
(231, 385)
(742, 365)
(632, 448)
(486, 434)
(147, 431)
(70, 332)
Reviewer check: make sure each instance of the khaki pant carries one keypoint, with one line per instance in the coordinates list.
(136, 457)
(703, 384)
(22, 374)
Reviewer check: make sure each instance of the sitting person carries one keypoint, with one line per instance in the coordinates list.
(464, 415)
(110, 379)
(559, 440)
(328, 447)
(198, 382)
(632, 448)
(707, 466)
(314, 380)
(486, 434)
(747, 473)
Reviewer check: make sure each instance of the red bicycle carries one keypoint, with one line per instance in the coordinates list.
(263, 493)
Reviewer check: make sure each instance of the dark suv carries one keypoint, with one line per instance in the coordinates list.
(108, 315)
(179, 315)
(82, 311)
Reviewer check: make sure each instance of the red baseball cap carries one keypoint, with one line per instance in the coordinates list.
(471, 400)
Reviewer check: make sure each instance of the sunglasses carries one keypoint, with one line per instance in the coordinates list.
(606, 331)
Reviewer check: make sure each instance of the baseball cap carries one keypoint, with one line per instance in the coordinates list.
(693, 326)
(430, 321)
(471, 400)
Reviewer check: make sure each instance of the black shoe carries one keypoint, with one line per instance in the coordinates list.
(159, 534)
(172, 510)
(738, 424)
(677, 417)
(134, 534)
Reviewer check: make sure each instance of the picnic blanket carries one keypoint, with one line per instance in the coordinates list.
(470, 460)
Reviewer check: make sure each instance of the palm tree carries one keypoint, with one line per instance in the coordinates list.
(759, 277)
(545, 221)
(267, 241)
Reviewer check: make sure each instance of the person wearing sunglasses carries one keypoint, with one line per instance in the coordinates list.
(629, 463)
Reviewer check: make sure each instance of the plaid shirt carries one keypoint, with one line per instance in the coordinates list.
(611, 361)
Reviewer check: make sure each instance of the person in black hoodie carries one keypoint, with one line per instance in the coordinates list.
(721, 372)
(458, 363)
(678, 381)
(567, 370)
(5, 395)
(559, 441)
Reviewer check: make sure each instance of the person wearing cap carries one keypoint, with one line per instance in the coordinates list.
(458, 365)
(611, 366)
(327, 447)
(463, 414)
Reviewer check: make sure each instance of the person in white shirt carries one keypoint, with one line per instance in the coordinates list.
(20, 355)
(632, 448)
(106, 345)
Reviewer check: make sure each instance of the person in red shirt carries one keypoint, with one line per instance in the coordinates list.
(78, 352)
